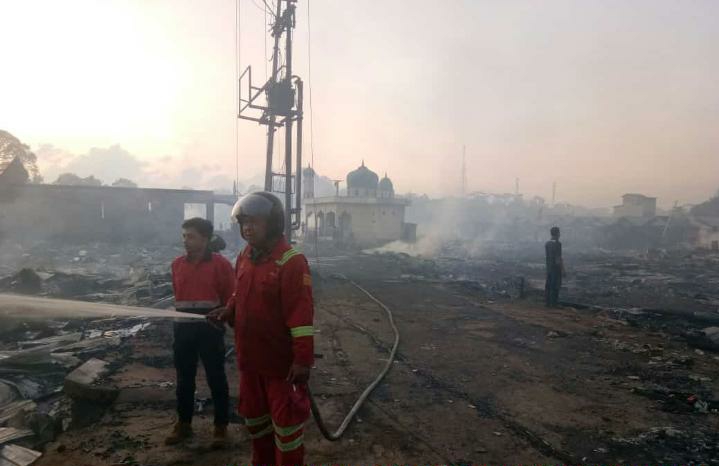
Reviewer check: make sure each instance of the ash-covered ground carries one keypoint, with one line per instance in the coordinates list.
(624, 373)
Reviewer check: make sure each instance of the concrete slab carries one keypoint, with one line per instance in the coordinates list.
(7, 394)
(14, 413)
(9, 434)
(14, 455)
(82, 383)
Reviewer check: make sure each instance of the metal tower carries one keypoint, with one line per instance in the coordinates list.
(278, 105)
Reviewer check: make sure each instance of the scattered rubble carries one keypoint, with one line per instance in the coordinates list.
(7, 394)
(26, 281)
(704, 339)
(52, 370)
(53, 374)
(668, 445)
(42, 363)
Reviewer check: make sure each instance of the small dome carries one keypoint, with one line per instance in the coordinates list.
(362, 178)
(385, 184)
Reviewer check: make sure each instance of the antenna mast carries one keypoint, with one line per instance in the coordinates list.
(278, 104)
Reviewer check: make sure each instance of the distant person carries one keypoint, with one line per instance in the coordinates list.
(203, 281)
(272, 312)
(555, 269)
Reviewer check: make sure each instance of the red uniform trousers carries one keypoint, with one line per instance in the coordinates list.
(275, 412)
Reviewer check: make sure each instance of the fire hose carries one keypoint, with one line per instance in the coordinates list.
(24, 306)
(334, 436)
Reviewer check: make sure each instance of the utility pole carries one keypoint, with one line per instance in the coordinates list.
(554, 193)
(516, 186)
(308, 179)
(669, 220)
(282, 106)
(464, 170)
(337, 186)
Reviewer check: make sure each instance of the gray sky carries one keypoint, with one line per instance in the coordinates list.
(605, 97)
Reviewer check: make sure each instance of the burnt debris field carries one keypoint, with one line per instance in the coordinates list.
(623, 372)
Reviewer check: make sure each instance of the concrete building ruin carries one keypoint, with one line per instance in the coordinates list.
(707, 232)
(82, 213)
(369, 213)
(636, 205)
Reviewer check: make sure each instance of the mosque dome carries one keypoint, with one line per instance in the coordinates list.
(362, 178)
(385, 184)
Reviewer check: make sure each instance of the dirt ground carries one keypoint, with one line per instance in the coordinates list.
(478, 379)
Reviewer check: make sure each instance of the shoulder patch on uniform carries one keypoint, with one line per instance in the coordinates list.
(306, 279)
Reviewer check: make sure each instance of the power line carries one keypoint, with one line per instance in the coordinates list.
(264, 27)
(237, 93)
(281, 60)
(312, 138)
(257, 6)
(272, 11)
(464, 170)
(309, 87)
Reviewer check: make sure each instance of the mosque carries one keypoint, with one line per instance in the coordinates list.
(367, 213)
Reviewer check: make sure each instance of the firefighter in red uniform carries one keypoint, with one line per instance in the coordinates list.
(272, 313)
(203, 281)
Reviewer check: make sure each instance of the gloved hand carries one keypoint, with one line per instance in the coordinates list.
(298, 374)
(221, 315)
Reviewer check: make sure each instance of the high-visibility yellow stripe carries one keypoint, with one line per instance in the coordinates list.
(289, 446)
(305, 331)
(266, 431)
(287, 256)
(257, 421)
(287, 431)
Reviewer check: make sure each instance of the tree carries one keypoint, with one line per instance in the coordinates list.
(11, 148)
(124, 183)
(71, 179)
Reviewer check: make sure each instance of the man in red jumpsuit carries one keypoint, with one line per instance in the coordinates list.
(272, 313)
(202, 281)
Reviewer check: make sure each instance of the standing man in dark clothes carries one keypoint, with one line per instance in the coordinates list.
(555, 269)
(202, 281)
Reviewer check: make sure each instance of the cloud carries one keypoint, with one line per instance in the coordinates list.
(51, 161)
(221, 183)
(107, 164)
(190, 177)
(113, 162)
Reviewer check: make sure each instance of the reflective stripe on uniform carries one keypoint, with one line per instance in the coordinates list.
(266, 431)
(304, 331)
(289, 446)
(289, 254)
(257, 421)
(287, 431)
